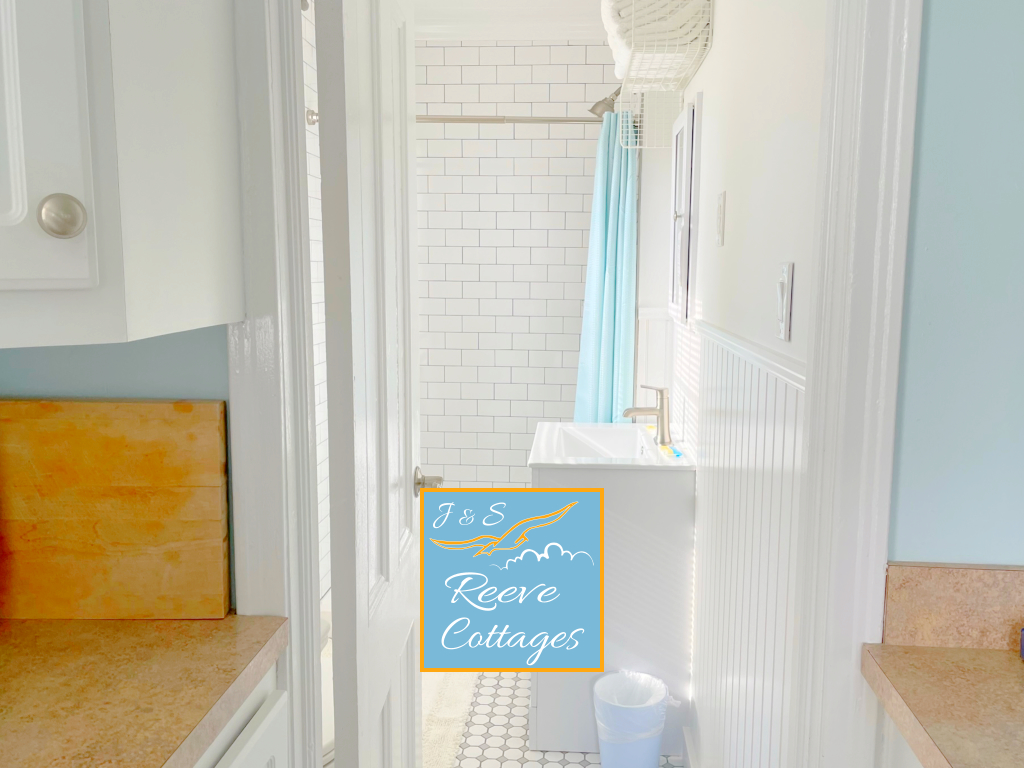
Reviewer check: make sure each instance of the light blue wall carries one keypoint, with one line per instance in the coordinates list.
(191, 365)
(958, 488)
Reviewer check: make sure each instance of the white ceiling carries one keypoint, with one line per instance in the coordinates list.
(509, 20)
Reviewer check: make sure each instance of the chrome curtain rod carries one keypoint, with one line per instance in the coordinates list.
(503, 119)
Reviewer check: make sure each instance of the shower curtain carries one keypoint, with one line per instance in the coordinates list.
(604, 381)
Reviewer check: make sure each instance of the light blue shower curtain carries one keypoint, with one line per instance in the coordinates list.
(604, 382)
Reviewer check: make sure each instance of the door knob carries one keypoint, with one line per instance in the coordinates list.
(419, 480)
(62, 216)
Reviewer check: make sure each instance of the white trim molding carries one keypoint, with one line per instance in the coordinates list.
(273, 481)
(781, 366)
(867, 150)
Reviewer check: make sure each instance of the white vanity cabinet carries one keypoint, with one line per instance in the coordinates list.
(649, 513)
(120, 197)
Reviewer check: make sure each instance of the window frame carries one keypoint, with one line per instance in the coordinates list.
(686, 142)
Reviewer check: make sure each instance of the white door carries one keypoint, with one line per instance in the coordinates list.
(364, 57)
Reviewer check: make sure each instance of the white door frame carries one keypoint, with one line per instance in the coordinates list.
(867, 149)
(270, 411)
(866, 157)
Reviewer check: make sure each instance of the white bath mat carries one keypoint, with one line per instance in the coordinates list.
(446, 698)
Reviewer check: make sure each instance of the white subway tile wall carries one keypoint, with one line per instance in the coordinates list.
(504, 218)
(316, 259)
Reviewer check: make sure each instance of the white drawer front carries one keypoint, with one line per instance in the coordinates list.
(264, 741)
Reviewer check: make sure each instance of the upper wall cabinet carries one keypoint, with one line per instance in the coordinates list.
(120, 199)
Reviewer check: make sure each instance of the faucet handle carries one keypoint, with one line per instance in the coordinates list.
(662, 392)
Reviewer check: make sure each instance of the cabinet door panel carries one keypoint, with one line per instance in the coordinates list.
(45, 143)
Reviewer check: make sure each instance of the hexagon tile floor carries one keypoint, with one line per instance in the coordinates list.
(496, 735)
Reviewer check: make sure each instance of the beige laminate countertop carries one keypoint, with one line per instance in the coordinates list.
(144, 694)
(957, 707)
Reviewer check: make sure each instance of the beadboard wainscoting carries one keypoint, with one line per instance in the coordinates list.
(751, 408)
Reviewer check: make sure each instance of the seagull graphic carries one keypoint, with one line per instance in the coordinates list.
(488, 545)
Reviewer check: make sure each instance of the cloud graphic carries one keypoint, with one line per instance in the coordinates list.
(545, 555)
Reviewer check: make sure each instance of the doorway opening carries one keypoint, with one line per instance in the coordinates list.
(316, 272)
(507, 150)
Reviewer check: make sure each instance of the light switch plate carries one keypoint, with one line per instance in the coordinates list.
(784, 296)
(720, 231)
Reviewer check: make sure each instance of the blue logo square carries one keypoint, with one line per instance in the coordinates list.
(512, 579)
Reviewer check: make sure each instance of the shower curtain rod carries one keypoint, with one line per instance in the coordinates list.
(503, 119)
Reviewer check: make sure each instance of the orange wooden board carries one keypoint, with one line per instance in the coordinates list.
(113, 510)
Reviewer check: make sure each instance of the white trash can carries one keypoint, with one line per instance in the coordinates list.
(630, 710)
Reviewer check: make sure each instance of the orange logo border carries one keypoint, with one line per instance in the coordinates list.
(423, 540)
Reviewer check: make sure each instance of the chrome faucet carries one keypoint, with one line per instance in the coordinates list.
(664, 436)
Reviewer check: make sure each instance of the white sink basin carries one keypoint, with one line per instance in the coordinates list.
(623, 446)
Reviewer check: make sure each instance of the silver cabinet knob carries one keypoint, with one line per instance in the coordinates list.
(62, 216)
(419, 480)
(312, 116)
